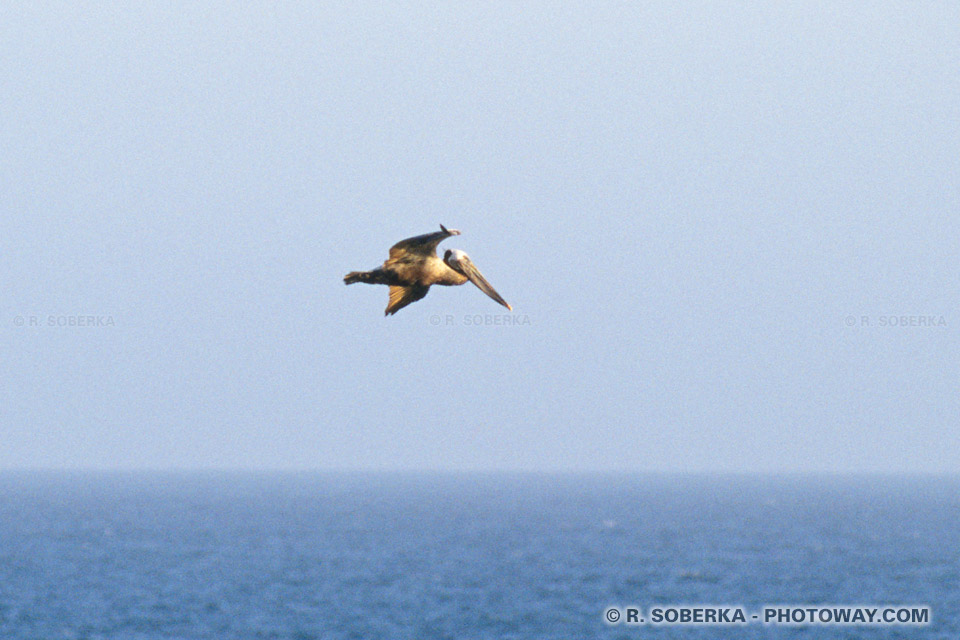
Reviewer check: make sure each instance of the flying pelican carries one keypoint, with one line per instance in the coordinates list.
(413, 266)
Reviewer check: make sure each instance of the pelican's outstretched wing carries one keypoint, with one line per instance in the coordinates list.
(402, 296)
(424, 245)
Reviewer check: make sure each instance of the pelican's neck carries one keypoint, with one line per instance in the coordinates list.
(450, 276)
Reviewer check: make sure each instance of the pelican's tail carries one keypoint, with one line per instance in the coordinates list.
(377, 276)
(356, 276)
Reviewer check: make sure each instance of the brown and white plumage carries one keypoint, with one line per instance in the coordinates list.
(413, 267)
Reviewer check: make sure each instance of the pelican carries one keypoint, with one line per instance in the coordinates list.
(413, 267)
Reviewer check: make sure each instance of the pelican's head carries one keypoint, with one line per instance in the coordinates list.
(453, 257)
(461, 263)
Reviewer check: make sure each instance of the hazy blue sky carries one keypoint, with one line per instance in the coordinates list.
(685, 204)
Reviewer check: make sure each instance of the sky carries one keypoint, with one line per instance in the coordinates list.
(729, 233)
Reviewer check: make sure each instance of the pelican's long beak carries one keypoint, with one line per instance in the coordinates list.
(473, 274)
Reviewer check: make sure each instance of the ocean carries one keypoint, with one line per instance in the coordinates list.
(441, 555)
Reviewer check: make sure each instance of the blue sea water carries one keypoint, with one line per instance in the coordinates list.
(365, 556)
